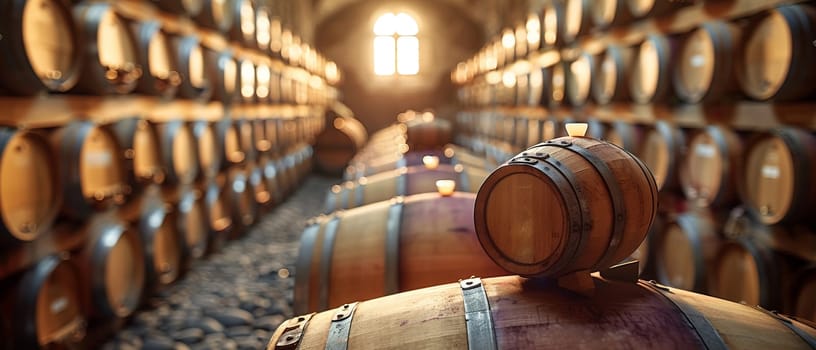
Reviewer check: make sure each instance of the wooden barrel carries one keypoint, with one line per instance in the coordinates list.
(579, 79)
(284, 174)
(218, 214)
(30, 194)
(611, 80)
(651, 71)
(193, 222)
(272, 134)
(401, 182)
(272, 177)
(552, 24)
(713, 163)
(241, 198)
(246, 139)
(704, 70)
(90, 167)
(246, 78)
(779, 171)
(229, 136)
(210, 149)
(162, 242)
(110, 53)
(275, 86)
(804, 294)
(516, 313)
(263, 143)
(337, 144)
(557, 85)
(650, 8)
(596, 129)
(386, 163)
(572, 191)
(111, 268)
(688, 247)
(139, 141)
(263, 29)
(625, 135)
(179, 152)
(243, 23)
(258, 185)
(222, 71)
(216, 14)
(431, 133)
(662, 150)
(160, 75)
(605, 13)
(777, 53)
(644, 253)
(263, 76)
(42, 47)
(189, 8)
(195, 83)
(577, 19)
(398, 254)
(41, 308)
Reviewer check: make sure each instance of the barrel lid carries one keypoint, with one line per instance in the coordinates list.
(677, 254)
(767, 57)
(696, 63)
(769, 176)
(738, 275)
(50, 41)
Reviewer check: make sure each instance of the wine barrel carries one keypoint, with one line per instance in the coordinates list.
(398, 254)
(710, 171)
(625, 135)
(804, 294)
(553, 24)
(246, 80)
(210, 149)
(579, 79)
(651, 8)
(259, 185)
(644, 253)
(596, 129)
(776, 55)
(662, 150)
(229, 136)
(263, 29)
(571, 191)
(605, 13)
(275, 86)
(577, 19)
(111, 268)
(139, 141)
(41, 47)
(779, 171)
(246, 139)
(30, 194)
(90, 168)
(651, 73)
(193, 222)
(162, 242)
(429, 134)
(337, 144)
(41, 308)
(190, 8)
(377, 165)
(219, 215)
(263, 76)
(195, 83)
(401, 182)
(217, 15)
(516, 313)
(241, 199)
(704, 70)
(179, 152)
(557, 85)
(272, 176)
(160, 75)
(110, 53)
(611, 80)
(243, 23)
(272, 134)
(223, 73)
(263, 143)
(688, 246)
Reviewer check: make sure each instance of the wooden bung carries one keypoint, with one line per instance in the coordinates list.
(777, 54)
(179, 152)
(662, 150)
(651, 73)
(688, 247)
(398, 255)
(41, 46)
(516, 313)
(576, 214)
(712, 166)
(704, 71)
(110, 53)
(401, 182)
(160, 75)
(612, 75)
(41, 307)
(30, 194)
(778, 177)
(217, 15)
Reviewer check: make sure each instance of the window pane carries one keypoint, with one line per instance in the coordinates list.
(386, 24)
(408, 55)
(384, 55)
(406, 25)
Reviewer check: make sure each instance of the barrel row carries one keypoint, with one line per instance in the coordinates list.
(763, 58)
(131, 252)
(57, 47)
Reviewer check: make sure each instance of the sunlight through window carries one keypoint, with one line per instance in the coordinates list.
(396, 47)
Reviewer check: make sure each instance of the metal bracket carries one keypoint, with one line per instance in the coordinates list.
(337, 338)
(479, 320)
(293, 333)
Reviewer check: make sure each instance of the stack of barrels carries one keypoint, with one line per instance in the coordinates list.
(552, 214)
(733, 218)
(111, 208)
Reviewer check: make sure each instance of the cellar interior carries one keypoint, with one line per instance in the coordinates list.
(436, 174)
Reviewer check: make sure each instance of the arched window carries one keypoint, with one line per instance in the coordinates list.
(396, 47)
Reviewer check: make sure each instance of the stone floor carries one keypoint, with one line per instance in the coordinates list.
(236, 298)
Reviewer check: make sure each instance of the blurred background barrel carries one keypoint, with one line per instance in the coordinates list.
(338, 143)
(139, 140)
(712, 165)
(160, 74)
(705, 71)
(688, 247)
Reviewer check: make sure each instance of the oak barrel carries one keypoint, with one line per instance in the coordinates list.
(263, 76)
(577, 212)
(111, 268)
(401, 182)
(428, 134)
(385, 163)
(139, 141)
(160, 75)
(41, 46)
(219, 214)
(110, 53)
(30, 194)
(713, 163)
(229, 136)
(179, 152)
(804, 294)
(779, 171)
(625, 135)
(241, 198)
(379, 249)
(243, 23)
(263, 143)
(41, 308)
(263, 29)
(577, 19)
(193, 222)
(516, 313)
(216, 14)
(222, 70)
(607, 13)
(553, 25)
(210, 148)
(778, 54)
(649, 8)
(611, 80)
(580, 76)
(90, 168)
(687, 250)
(662, 150)
(195, 82)
(258, 184)
(337, 144)
(651, 73)
(704, 70)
